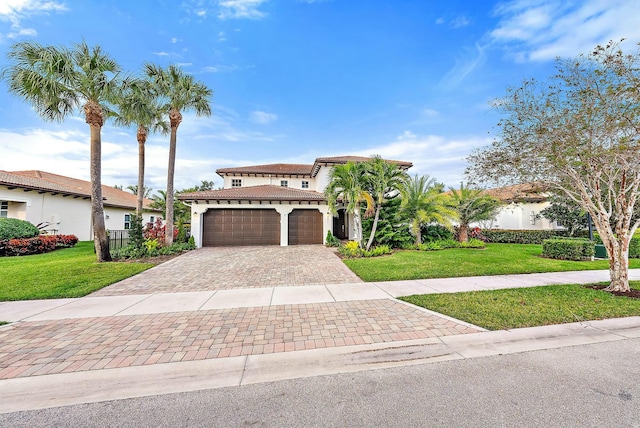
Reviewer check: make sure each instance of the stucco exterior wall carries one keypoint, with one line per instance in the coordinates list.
(520, 216)
(284, 209)
(293, 182)
(65, 214)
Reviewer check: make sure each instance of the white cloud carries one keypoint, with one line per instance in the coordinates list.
(219, 68)
(161, 53)
(541, 30)
(15, 11)
(439, 21)
(241, 9)
(459, 22)
(262, 117)
(430, 113)
(464, 66)
(440, 157)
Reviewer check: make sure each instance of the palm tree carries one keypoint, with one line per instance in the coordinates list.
(138, 106)
(146, 191)
(423, 202)
(384, 179)
(472, 205)
(181, 92)
(58, 81)
(347, 184)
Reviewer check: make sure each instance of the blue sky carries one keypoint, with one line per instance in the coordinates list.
(297, 79)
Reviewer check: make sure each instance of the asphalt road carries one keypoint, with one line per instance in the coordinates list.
(584, 386)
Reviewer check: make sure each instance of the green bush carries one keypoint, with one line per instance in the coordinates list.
(380, 250)
(13, 228)
(449, 243)
(498, 236)
(351, 249)
(568, 249)
(435, 232)
(331, 241)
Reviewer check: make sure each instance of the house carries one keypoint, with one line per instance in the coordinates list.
(521, 210)
(274, 204)
(63, 204)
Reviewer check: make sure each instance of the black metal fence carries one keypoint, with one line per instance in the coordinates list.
(118, 239)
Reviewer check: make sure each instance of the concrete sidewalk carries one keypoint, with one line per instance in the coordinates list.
(141, 304)
(96, 348)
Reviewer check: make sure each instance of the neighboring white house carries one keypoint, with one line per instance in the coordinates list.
(275, 204)
(523, 204)
(63, 204)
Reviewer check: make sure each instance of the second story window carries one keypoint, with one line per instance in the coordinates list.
(305, 184)
(236, 182)
(284, 183)
(127, 221)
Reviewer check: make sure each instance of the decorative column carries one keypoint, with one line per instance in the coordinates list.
(284, 211)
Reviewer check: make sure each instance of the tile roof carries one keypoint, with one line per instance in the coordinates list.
(338, 160)
(265, 192)
(525, 192)
(274, 169)
(46, 181)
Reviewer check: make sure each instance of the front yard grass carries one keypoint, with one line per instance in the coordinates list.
(69, 272)
(529, 307)
(495, 259)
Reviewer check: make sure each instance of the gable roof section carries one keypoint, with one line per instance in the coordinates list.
(54, 183)
(284, 169)
(265, 192)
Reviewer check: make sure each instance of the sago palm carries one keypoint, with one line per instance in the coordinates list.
(423, 203)
(58, 81)
(384, 178)
(347, 185)
(179, 92)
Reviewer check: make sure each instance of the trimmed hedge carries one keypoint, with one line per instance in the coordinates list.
(568, 249)
(13, 228)
(505, 236)
(37, 245)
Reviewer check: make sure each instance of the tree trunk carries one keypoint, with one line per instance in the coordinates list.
(94, 117)
(142, 139)
(463, 234)
(618, 249)
(415, 226)
(357, 226)
(373, 228)
(174, 118)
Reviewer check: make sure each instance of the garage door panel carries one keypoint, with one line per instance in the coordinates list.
(305, 227)
(235, 227)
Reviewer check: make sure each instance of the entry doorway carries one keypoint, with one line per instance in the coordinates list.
(340, 230)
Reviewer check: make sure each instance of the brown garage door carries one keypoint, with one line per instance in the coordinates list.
(305, 227)
(234, 227)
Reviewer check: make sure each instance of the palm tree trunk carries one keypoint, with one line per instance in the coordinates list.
(357, 226)
(373, 228)
(463, 234)
(94, 117)
(174, 118)
(142, 138)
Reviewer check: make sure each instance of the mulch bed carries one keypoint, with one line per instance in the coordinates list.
(634, 294)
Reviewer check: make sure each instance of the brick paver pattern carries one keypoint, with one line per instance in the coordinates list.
(71, 345)
(226, 268)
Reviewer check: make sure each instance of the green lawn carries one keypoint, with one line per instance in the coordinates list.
(529, 307)
(69, 272)
(495, 259)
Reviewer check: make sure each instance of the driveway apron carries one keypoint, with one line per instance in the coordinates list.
(53, 344)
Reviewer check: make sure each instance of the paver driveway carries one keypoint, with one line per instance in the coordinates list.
(224, 268)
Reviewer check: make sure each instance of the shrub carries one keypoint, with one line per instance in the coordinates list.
(27, 246)
(449, 243)
(151, 248)
(568, 249)
(331, 241)
(136, 231)
(499, 236)
(13, 228)
(435, 232)
(472, 243)
(350, 249)
(66, 241)
(156, 230)
(380, 250)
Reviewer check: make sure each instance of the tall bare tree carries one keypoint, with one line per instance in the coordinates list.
(179, 92)
(57, 81)
(579, 133)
